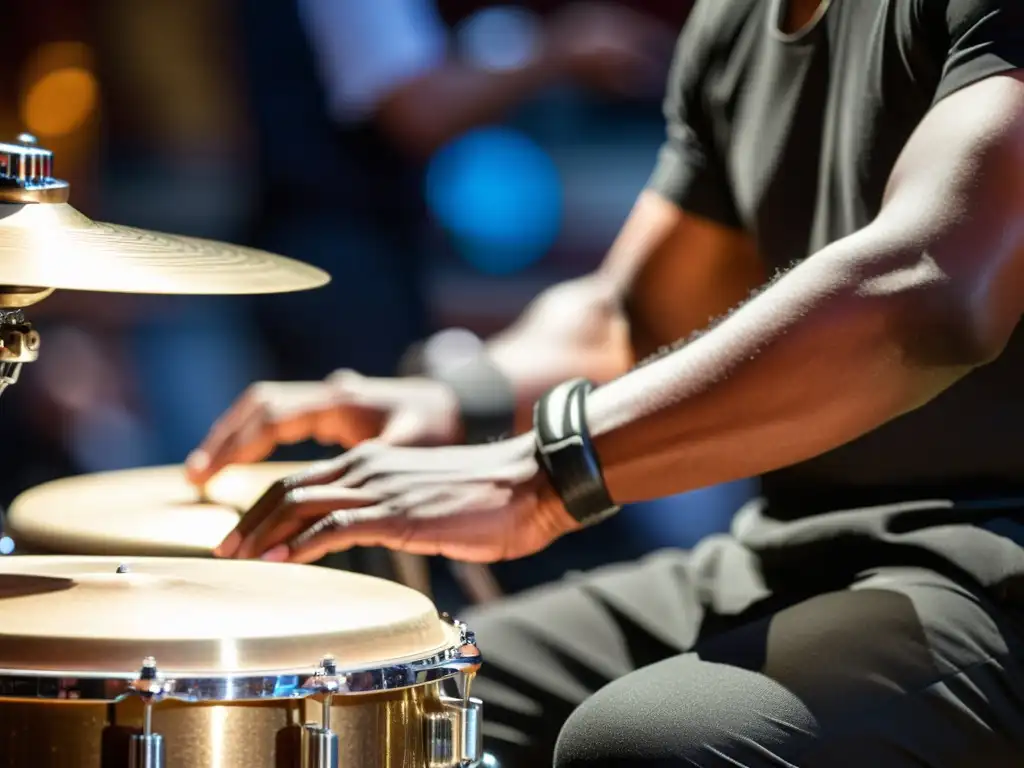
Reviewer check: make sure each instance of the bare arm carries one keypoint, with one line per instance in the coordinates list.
(666, 275)
(877, 324)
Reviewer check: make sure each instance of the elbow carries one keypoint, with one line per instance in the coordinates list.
(938, 318)
(950, 334)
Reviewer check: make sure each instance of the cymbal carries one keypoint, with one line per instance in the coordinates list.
(52, 245)
(102, 614)
(148, 511)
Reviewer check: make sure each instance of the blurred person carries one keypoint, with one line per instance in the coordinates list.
(869, 610)
(349, 100)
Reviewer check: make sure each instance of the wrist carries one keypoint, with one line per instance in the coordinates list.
(566, 455)
(484, 397)
(550, 504)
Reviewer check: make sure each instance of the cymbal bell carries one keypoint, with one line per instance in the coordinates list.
(45, 244)
(52, 245)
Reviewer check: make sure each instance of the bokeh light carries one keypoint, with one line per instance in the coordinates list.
(60, 91)
(60, 102)
(499, 196)
(500, 37)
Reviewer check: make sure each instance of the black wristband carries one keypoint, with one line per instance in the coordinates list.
(487, 401)
(565, 451)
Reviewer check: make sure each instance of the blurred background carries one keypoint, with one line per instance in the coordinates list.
(445, 161)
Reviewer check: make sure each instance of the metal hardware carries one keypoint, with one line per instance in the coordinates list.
(319, 746)
(26, 173)
(453, 736)
(319, 742)
(123, 568)
(147, 749)
(19, 343)
(441, 746)
(457, 657)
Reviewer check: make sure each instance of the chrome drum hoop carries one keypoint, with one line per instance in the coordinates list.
(461, 657)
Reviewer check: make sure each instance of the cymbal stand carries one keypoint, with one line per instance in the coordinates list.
(19, 344)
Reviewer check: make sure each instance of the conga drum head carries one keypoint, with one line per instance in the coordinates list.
(150, 511)
(230, 663)
(100, 616)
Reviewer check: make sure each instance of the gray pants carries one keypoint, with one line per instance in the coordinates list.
(692, 659)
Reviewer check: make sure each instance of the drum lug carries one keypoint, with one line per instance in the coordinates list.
(453, 736)
(466, 635)
(319, 742)
(319, 746)
(147, 748)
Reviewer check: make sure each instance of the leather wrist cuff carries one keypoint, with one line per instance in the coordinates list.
(566, 453)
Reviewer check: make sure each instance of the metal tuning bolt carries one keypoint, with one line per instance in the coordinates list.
(19, 344)
(26, 173)
(147, 749)
(319, 742)
(452, 736)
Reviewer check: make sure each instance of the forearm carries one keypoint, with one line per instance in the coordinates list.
(666, 275)
(828, 353)
(533, 363)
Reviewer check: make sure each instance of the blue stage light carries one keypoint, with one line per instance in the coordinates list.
(500, 197)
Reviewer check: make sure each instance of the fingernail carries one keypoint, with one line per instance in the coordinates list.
(227, 547)
(276, 554)
(197, 461)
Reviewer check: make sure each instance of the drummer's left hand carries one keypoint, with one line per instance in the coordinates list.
(471, 503)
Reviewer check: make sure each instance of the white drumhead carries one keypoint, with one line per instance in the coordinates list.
(149, 511)
(203, 616)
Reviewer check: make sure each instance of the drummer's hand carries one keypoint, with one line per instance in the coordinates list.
(345, 409)
(470, 503)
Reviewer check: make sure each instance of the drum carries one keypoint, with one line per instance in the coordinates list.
(151, 511)
(201, 663)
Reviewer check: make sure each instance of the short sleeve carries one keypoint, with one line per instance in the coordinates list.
(366, 49)
(985, 38)
(689, 171)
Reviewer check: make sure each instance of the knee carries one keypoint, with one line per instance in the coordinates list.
(684, 711)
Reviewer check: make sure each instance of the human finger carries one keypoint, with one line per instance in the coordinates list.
(454, 524)
(318, 473)
(199, 465)
(268, 414)
(296, 511)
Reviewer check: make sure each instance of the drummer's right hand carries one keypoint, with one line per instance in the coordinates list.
(345, 409)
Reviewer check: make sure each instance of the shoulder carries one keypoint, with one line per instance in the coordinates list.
(957, 18)
(711, 34)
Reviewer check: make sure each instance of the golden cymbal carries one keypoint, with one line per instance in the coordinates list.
(52, 245)
(101, 614)
(45, 244)
(148, 511)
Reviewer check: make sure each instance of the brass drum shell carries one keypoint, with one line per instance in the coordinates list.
(375, 730)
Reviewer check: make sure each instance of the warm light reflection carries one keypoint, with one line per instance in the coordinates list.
(59, 89)
(218, 733)
(60, 102)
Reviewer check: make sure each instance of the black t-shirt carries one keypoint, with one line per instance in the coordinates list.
(792, 138)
